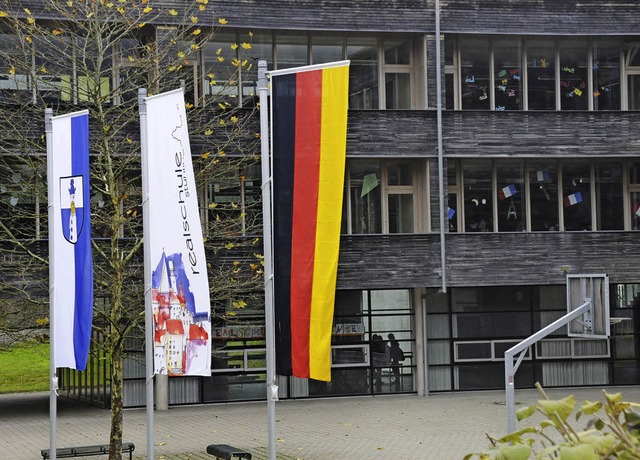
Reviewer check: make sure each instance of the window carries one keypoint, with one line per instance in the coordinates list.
(326, 48)
(220, 77)
(576, 193)
(574, 91)
(474, 67)
(512, 215)
(291, 51)
(397, 73)
(363, 72)
(382, 196)
(541, 69)
(507, 73)
(609, 196)
(606, 74)
(543, 192)
(478, 193)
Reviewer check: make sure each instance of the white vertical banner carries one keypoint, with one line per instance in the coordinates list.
(179, 283)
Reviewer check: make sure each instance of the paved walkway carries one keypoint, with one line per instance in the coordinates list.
(439, 427)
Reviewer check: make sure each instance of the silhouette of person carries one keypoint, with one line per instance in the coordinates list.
(396, 356)
(379, 357)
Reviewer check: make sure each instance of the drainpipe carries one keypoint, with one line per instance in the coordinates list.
(440, 158)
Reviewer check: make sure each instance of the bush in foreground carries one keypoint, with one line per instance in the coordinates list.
(612, 431)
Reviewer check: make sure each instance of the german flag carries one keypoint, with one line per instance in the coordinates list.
(309, 130)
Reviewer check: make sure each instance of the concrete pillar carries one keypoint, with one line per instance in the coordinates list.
(162, 392)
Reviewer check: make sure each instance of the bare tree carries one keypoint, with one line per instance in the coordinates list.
(95, 54)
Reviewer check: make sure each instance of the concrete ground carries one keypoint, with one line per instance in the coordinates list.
(441, 426)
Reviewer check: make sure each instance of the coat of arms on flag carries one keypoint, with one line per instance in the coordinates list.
(71, 207)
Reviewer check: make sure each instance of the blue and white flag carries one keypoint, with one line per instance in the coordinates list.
(70, 240)
(507, 191)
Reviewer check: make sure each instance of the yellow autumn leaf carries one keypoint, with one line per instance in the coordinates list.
(220, 59)
(189, 105)
(231, 313)
(234, 46)
(109, 5)
(197, 32)
(28, 38)
(212, 82)
(147, 9)
(235, 262)
(244, 63)
(69, 3)
(30, 20)
(26, 10)
(211, 75)
(173, 12)
(221, 153)
(56, 32)
(205, 155)
(223, 21)
(43, 69)
(131, 58)
(250, 34)
(181, 54)
(3, 14)
(201, 7)
(234, 119)
(195, 46)
(194, 19)
(254, 266)
(246, 46)
(12, 70)
(229, 246)
(172, 68)
(235, 62)
(208, 132)
(221, 121)
(213, 205)
(120, 10)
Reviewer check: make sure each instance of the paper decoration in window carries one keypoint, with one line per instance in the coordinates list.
(13, 201)
(502, 73)
(636, 209)
(451, 212)
(502, 87)
(470, 79)
(577, 92)
(543, 176)
(500, 107)
(369, 182)
(516, 77)
(507, 191)
(569, 69)
(483, 97)
(573, 199)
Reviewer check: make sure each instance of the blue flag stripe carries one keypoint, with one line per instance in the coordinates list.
(83, 308)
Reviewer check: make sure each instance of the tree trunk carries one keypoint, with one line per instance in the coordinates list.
(115, 439)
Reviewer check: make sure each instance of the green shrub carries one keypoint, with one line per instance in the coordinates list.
(612, 431)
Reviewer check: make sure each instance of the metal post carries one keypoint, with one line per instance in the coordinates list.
(440, 155)
(424, 348)
(53, 379)
(148, 313)
(272, 388)
(510, 369)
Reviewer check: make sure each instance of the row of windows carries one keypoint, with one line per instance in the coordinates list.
(482, 72)
(542, 73)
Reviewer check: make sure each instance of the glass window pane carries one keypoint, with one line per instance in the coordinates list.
(363, 72)
(220, 76)
(543, 190)
(634, 173)
(291, 51)
(633, 88)
(541, 67)
(399, 173)
(606, 74)
(397, 90)
(573, 75)
(326, 48)
(609, 196)
(508, 73)
(397, 52)
(510, 196)
(17, 56)
(52, 68)
(635, 210)
(576, 195)
(474, 69)
(452, 212)
(364, 178)
(478, 212)
(400, 213)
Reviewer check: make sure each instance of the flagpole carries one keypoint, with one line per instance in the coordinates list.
(148, 312)
(272, 388)
(53, 380)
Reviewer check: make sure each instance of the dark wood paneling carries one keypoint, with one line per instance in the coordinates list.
(487, 259)
(396, 133)
(535, 134)
(540, 16)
